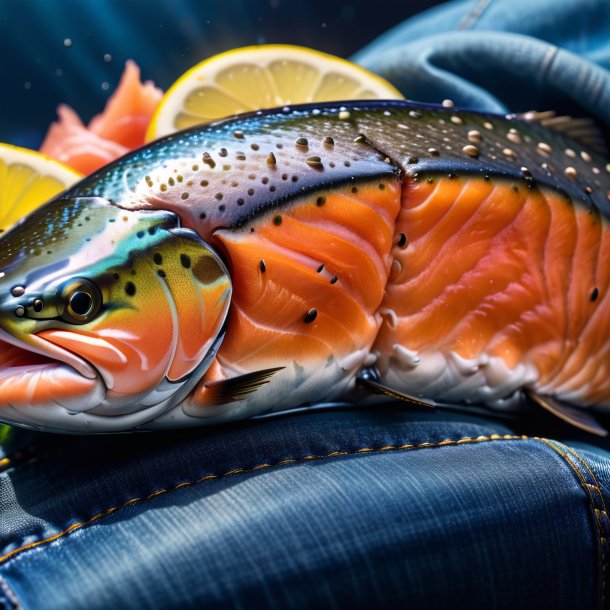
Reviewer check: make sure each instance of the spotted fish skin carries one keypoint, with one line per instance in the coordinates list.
(465, 256)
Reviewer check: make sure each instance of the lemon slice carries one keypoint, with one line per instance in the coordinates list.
(252, 78)
(28, 179)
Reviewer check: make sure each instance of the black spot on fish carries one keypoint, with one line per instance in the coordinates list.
(320, 268)
(115, 276)
(320, 201)
(38, 305)
(333, 279)
(130, 289)
(262, 266)
(310, 316)
(152, 230)
(594, 295)
(185, 261)
(277, 220)
(161, 273)
(157, 258)
(140, 234)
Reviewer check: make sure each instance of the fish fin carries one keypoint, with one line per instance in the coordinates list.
(236, 388)
(379, 388)
(582, 130)
(580, 418)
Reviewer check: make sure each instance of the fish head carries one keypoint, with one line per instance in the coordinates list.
(104, 312)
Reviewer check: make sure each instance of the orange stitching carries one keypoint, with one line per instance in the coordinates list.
(596, 511)
(593, 476)
(109, 511)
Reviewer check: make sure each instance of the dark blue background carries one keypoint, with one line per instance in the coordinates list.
(165, 37)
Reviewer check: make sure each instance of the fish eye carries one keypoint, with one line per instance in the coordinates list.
(82, 300)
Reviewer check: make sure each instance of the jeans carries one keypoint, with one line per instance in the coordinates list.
(343, 507)
(502, 56)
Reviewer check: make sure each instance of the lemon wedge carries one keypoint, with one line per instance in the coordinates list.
(252, 78)
(28, 179)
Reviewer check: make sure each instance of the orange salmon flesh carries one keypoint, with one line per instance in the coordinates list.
(316, 253)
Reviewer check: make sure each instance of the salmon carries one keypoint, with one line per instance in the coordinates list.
(120, 128)
(316, 253)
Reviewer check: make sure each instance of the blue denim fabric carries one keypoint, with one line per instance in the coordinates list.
(347, 508)
(337, 509)
(502, 55)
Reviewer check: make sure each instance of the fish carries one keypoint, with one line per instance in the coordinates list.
(339, 251)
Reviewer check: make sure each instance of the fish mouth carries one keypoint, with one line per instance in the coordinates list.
(37, 378)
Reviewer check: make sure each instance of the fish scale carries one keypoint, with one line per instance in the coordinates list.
(427, 252)
(416, 138)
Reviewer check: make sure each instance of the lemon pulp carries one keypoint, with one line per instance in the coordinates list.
(27, 180)
(252, 78)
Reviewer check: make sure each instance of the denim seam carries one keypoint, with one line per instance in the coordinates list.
(598, 514)
(408, 446)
